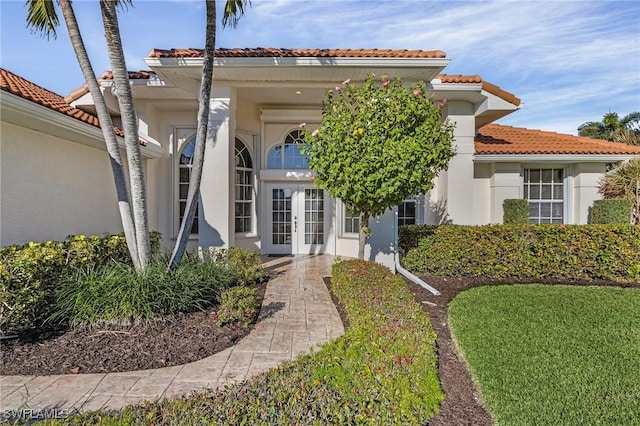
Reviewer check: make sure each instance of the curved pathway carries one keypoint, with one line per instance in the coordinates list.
(297, 314)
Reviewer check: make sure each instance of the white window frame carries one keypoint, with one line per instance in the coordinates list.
(181, 136)
(252, 185)
(567, 185)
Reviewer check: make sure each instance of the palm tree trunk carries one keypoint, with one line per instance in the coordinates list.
(107, 129)
(201, 136)
(130, 127)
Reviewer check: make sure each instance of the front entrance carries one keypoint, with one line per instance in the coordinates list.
(297, 219)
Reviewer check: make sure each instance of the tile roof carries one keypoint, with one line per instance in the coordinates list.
(107, 75)
(14, 84)
(499, 139)
(486, 86)
(266, 52)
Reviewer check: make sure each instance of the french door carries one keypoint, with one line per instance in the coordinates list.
(297, 219)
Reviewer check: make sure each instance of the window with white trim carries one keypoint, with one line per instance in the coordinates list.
(544, 189)
(288, 154)
(351, 221)
(407, 213)
(185, 165)
(243, 188)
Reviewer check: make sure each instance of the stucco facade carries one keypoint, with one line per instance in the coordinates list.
(256, 190)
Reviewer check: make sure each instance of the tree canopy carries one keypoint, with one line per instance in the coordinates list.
(379, 143)
(614, 128)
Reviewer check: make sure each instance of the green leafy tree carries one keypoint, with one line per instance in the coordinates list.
(614, 128)
(379, 143)
(624, 182)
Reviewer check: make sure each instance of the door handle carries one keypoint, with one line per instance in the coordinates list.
(295, 224)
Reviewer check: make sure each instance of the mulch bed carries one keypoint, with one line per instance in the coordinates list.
(161, 343)
(462, 404)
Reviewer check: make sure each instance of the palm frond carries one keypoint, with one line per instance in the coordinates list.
(233, 11)
(42, 17)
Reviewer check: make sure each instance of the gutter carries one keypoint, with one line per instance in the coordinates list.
(402, 271)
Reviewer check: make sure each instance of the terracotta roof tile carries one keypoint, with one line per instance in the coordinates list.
(499, 139)
(14, 84)
(268, 52)
(107, 75)
(486, 86)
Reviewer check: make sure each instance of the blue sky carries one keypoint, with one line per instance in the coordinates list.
(569, 62)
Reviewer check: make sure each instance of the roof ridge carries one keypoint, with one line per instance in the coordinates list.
(296, 52)
(5, 85)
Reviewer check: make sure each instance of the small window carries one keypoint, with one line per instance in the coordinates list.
(288, 155)
(351, 221)
(243, 188)
(544, 188)
(407, 213)
(184, 174)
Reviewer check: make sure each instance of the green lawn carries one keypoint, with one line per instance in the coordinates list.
(552, 355)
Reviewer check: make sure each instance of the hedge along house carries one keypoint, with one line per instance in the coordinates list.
(256, 188)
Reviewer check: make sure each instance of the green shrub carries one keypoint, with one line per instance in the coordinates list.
(29, 274)
(237, 304)
(382, 372)
(410, 235)
(515, 211)
(559, 252)
(244, 264)
(613, 212)
(116, 292)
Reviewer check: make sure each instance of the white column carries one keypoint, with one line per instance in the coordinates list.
(585, 190)
(460, 173)
(215, 221)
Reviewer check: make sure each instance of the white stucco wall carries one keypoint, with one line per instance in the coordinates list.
(505, 183)
(586, 177)
(460, 187)
(51, 188)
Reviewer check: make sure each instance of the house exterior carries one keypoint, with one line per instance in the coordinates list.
(257, 191)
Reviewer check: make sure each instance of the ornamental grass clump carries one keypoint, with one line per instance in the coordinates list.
(117, 293)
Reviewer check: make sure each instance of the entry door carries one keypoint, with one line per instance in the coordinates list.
(297, 219)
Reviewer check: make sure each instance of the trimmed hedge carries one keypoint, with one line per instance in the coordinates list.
(559, 252)
(29, 273)
(615, 211)
(382, 372)
(515, 211)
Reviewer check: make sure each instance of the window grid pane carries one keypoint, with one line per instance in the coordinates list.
(407, 213)
(243, 188)
(544, 188)
(351, 221)
(281, 220)
(314, 216)
(184, 174)
(288, 155)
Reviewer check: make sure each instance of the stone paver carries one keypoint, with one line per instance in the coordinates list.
(297, 315)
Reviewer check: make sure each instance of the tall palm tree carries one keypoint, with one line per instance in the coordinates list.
(614, 128)
(42, 17)
(130, 127)
(233, 10)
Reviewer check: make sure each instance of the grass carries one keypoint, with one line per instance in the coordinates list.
(547, 355)
(381, 372)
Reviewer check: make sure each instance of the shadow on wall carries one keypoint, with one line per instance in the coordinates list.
(436, 212)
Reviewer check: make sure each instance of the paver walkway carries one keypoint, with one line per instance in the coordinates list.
(297, 314)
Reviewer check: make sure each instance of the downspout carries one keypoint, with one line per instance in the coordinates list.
(399, 268)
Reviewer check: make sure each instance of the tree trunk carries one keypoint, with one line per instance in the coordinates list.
(130, 127)
(201, 137)
(363, 234)
(107, 128)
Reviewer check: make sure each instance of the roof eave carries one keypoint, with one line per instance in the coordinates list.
(25, 113)
(552, 158)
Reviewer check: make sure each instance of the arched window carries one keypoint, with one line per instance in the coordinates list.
(288, 155)
(243, 188)
(184, 174)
